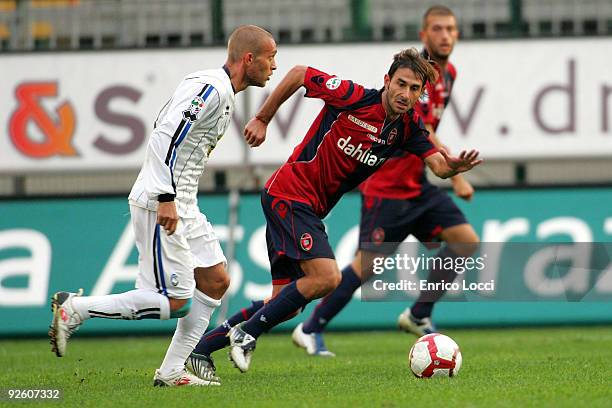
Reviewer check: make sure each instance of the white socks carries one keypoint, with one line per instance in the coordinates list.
(133, 305)
(189, 330)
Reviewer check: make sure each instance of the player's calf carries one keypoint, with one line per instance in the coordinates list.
(322, 276)
(179, 307)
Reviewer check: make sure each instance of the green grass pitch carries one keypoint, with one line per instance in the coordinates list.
(503, 367)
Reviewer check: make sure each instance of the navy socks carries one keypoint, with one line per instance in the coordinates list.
(333, 303)
(286, 303)
(216, 339)
(423, 307)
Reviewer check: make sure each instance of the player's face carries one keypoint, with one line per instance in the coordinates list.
(261, 68)
(439, 36)
(402, 91)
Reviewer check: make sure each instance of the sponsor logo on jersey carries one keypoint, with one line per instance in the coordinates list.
(333, 83)
(363, 124)
(376, 139)
(306, 241)
(358, 152)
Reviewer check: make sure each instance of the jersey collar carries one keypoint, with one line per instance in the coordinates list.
(226, 69)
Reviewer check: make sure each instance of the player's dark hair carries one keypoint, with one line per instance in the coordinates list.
(411, 59)
(437, 10)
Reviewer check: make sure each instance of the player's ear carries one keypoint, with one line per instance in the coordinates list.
(387, 80)
(248, 58)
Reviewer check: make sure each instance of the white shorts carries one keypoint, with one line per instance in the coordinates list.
(166, 262)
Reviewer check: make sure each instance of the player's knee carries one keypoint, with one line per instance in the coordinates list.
(470, 245)
(179, 307)
(223, 282)
(467, 243)
(218, 283)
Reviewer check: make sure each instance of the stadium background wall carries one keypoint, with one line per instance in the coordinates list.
(52, 244)
(560, 111)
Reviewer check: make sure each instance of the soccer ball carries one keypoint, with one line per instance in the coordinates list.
(435, 355)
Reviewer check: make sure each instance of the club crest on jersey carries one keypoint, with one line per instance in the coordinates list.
(378, 236)
(174, 279)
(306, 241)
(392, 136)
(333, 83)
(195, 107)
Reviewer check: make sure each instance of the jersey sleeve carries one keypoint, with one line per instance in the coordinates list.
(333, 90)
(417, 139)
(189, 105)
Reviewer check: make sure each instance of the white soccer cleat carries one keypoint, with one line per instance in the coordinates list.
(203, 367)
(179, 379)
(311, 342)
(242, 345)
(410, 324)
(65, 321)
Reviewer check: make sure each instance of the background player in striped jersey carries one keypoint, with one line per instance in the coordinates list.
(395, 207)
(181, 265)
(355, 132)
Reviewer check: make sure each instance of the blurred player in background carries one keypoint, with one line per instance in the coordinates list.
(181, 265)
(353, 135)
(394, 207)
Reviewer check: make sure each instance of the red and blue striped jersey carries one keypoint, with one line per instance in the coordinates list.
(385, 183)
(348, 141)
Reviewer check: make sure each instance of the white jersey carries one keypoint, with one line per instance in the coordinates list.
(186, 130)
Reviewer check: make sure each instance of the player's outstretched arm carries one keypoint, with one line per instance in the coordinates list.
(255, 130)
(463, 189)
(443, 165)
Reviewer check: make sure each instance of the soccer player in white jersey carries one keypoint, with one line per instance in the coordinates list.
(181, 265)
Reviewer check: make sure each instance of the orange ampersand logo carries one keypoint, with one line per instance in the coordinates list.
(57, 134)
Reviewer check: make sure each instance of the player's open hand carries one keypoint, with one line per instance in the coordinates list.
(466, 160)
(255, 132)
(167, 216)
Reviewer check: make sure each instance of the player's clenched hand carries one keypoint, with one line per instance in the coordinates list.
(167, 216)
(463, 189)
(466, 160)
(255, 132)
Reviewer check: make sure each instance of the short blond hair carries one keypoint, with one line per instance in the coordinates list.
(244, 39)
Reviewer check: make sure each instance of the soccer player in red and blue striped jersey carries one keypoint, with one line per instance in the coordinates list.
(357, 130)
(395, 207)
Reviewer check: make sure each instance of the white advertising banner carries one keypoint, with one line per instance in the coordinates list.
(94, 110)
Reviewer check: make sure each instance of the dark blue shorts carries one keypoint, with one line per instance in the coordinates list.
(294, 233)
(386, 220)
